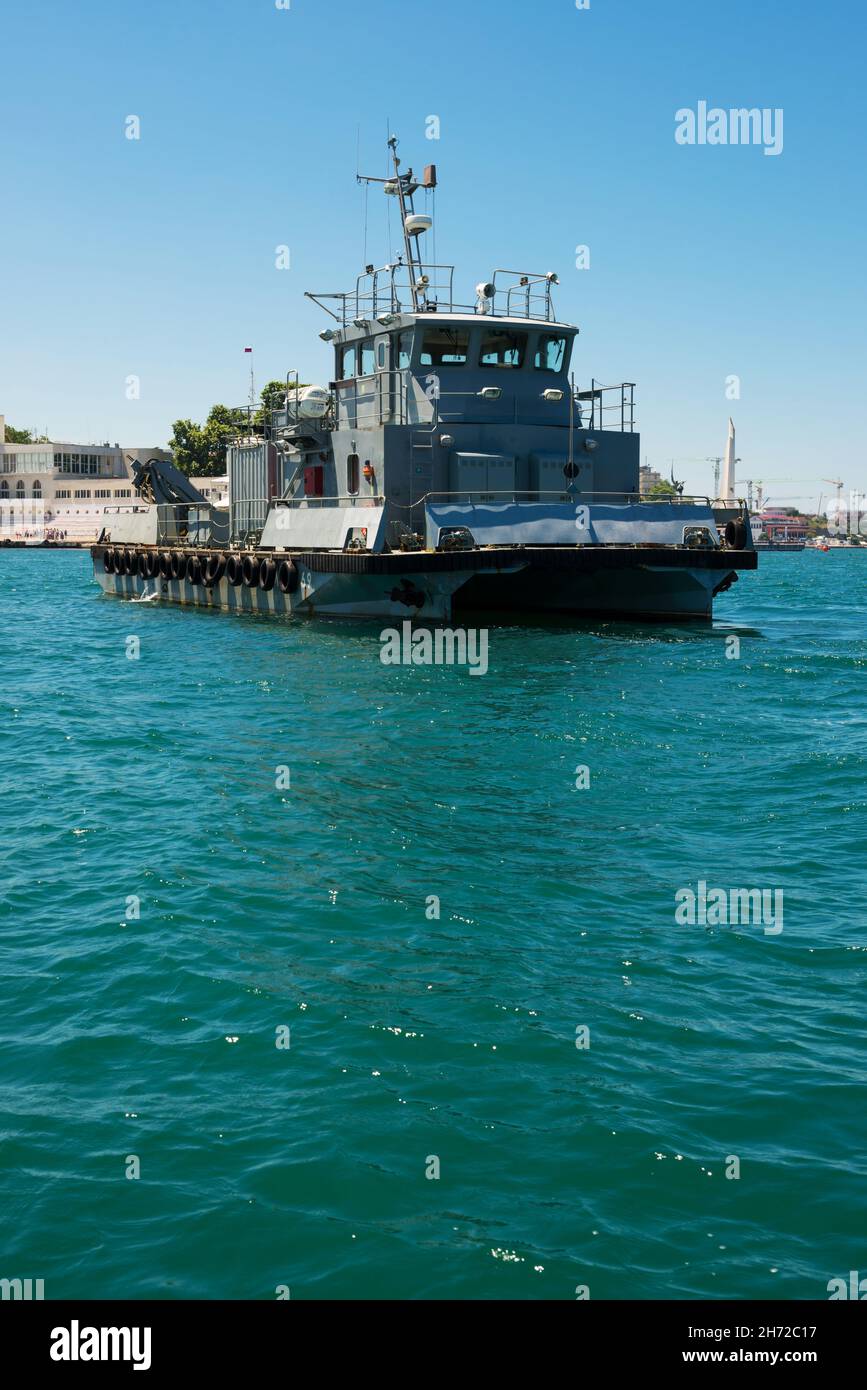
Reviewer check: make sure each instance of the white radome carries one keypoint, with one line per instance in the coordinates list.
(313, 402)
(418, 222)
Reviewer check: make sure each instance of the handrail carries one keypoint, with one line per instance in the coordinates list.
(519, 494)
(180, 526)
(387, 396)
(354, 499)
(185, 523)
(368, 405)
(435, 287)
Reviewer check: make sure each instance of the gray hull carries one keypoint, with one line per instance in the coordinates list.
(654, 585)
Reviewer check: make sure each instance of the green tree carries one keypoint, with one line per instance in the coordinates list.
(662, 489)
(272, 396)
(200, 450)
(221, 425)
(188, 447)
(14, 436)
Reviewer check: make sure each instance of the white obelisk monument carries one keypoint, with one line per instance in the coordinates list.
(727, 486)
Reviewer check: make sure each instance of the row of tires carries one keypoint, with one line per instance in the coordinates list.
(205, 568)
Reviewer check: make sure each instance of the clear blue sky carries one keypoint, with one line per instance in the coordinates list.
(156, 257)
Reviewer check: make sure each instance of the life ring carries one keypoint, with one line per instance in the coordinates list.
(250, 571)
(215, 568)
(164, 565)
(234, 570)
(177, 564)
(287, 577)
(267, 573)
(194, 569)
(107, 562)
(736, 534)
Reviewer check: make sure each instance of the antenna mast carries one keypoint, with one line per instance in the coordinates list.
(404, 191)
(403, 186)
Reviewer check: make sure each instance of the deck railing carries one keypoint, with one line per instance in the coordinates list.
(522, 494)
(388, 290)
(606, 407)
(180, 524)
(402, 398)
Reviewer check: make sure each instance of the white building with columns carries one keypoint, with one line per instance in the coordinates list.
(63, 492)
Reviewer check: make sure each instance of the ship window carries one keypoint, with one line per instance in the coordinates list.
(368, 358)
(444, 346)
(551, 353)
(347, 362)
(404, 350)
(501, 348)
(380, 354)
(352, 473)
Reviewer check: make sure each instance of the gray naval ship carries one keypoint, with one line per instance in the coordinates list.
(451, 466)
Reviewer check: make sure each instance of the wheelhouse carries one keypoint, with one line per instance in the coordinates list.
(424, 344)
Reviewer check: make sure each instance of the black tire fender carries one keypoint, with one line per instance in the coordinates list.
(215, 568)
(736, 533)
(287, 577)
(267, 573)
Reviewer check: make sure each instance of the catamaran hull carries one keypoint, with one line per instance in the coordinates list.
(607, 581)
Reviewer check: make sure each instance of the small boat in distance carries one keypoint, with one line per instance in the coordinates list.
(450, 465)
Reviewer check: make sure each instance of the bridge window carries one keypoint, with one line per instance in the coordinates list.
(347, 362)
(501, 348)
(404, 350)
(380, 355)
(368, 358)
(444, 346)
(551, 353)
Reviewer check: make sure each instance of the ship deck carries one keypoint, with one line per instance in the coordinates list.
(571, 559)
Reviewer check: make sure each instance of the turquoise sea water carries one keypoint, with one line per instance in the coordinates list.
(415, 1038)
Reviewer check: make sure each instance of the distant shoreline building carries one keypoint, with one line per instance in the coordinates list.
(62, 491)
(648, 478)
(64, 487)
(783, 524)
